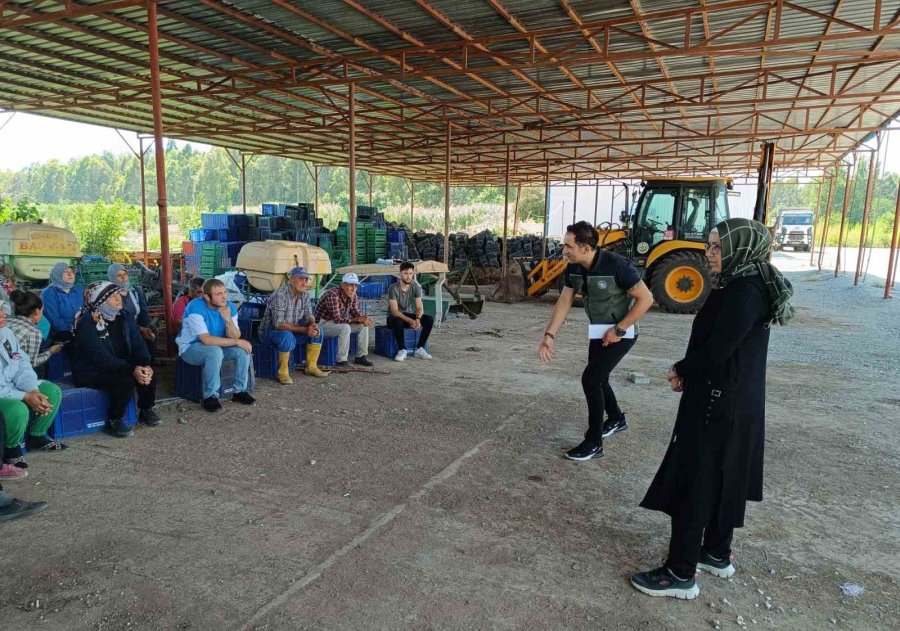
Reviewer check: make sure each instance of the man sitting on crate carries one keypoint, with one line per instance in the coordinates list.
(209, 334)
(289, 313)
(338, 314)
(405, 302)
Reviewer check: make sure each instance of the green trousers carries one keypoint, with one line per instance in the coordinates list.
(16, 415)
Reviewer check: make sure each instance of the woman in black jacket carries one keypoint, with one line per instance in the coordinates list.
(714, 463)
(111, 356)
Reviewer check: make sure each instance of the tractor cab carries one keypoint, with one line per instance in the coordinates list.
(667, 234)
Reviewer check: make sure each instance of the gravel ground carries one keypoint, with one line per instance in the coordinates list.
(436, 497)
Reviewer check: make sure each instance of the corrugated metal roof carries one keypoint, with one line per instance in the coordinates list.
(590, 87)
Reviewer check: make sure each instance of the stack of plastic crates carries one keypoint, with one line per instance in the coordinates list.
(213, 259)
(91, 270)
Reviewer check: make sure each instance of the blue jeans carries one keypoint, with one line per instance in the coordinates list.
(286, 341)
(211, 357)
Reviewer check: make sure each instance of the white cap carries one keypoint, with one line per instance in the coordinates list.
(350, 279)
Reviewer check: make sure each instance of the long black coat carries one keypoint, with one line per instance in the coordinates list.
(715, 457)
(94, 354)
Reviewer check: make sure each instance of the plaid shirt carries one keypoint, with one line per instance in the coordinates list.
(283, 307)
(29, 337)
(335, 306)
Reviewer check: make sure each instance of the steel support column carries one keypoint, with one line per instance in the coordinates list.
(546, 211)
(412, 205)
(315, 187)
(575, 203)
(243, 183)
(447, 199)
(504, 250)
(865, 219)
(352, 103)
(825, 226)
(597, 199)
(166, 263)
(812, 242)
(891, 270)
(851, 176)
(516, 210)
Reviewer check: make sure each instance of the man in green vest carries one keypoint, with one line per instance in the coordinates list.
(615, 298)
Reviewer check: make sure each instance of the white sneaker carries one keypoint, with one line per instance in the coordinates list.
(400, 356)
(421, 353)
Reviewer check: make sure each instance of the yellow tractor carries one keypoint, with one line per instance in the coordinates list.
(666, 237)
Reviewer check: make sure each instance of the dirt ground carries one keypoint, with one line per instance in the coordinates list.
(437, 497)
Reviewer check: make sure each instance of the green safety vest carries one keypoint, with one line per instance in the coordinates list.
(604, 301)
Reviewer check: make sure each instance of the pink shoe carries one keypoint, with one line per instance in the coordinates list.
(10, 472)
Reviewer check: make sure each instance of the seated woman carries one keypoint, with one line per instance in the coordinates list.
(26, 402)
(62, 300)
(110, 355)
(28, 309)
(134, 303)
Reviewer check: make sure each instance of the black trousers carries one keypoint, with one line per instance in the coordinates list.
(397, 325)
(695, 532)
(595, 382)
(120, 387)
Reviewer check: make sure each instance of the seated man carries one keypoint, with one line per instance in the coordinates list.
(405, 302)
(338, 314)
(208, 335)
(289, 312)
(194, 290)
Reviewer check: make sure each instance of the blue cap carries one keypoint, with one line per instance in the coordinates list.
(299, 271)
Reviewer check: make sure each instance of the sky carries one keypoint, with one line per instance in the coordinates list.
(26, 138)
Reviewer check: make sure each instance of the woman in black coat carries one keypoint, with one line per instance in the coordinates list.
(714, 463)
(110, 355)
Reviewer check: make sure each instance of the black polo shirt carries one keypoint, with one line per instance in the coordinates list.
(604, 286)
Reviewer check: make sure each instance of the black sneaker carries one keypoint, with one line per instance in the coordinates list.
(244, 398)
(44, 443)
(723, 568)
(585, 451)
(20, 508)
(661, 582)
(363, 361)
(611, 426)
(211, 404)
(343, 364)
(150, 417)
(117, 428)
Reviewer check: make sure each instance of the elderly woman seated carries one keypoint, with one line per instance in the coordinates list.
(26, 402)
(111, 356)
(28, 309)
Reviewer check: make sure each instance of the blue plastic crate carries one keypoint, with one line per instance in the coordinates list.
(328, 356)
(396, 236)
(59, 368)
(386, 345)
(370, 290)
(265, 360)
(243, 233)
(189, 380)
(246, 328)
(214, 220)
(197, 235)
(252, 310)
(85, 411)
(233, 248)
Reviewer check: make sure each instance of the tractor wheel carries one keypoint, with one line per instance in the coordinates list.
(681, 282)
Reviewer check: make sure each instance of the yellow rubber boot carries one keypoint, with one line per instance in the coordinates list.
(284, 370)
(312, 360)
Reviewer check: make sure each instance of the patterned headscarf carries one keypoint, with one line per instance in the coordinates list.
(56, 276)
(96, 294)
(745, 248)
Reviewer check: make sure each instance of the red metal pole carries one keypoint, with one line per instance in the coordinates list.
(865, 219)
(889, 281)
(505, 217)
(546, 210)
(851, 175)
(827, 219)
(165, 262)
(244, 183)
(447, 199)
(352, 173)
(143, 198)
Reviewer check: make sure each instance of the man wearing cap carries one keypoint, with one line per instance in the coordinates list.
(289, 314)
(338, 314)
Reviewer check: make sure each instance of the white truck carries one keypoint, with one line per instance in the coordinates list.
(794, 228)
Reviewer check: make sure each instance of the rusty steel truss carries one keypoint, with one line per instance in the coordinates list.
(585, 88)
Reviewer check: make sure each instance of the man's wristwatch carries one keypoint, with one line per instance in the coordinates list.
(620, 332)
